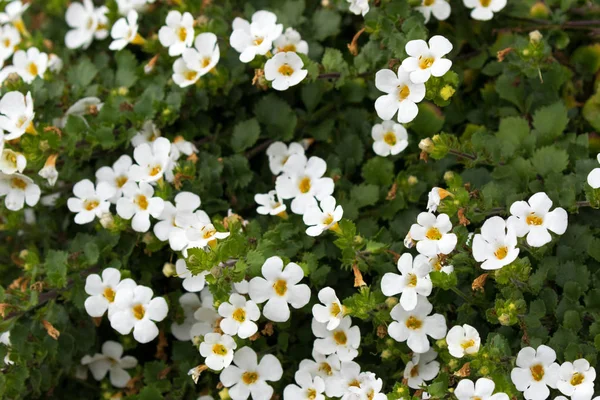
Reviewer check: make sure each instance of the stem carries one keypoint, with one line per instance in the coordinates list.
(463, 155)
(461, 295)
(583, 204)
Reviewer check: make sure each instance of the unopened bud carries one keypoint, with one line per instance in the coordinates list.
(535, 36)
(123, 91)
(408, 241)
(504, 319)
(448, 176)
(107, 221)
(168, 269)
(224, 394)
(447, 92)
(148, 68)
(386, 354)
(539, 10)
(390, 302)
(426, 145)
(412, 180)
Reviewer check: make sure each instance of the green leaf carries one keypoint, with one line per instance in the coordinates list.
(325, 23)
(245, 134)
(277, 115)
(126, 69)
(550, 122)
(56, 266)
(378, 171)
(82, 74)
(512, 134)
(365, 195)
(549, 160)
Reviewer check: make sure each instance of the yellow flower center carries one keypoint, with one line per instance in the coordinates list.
(138, 311)
(437, 266)
(141, 201)
(413, 323)
(181, 33)
(206, 62)
(433, 234)
(219, 349)
(390, 138)
(287, 47)
(21, 121)
(33, 69)
(533, 219)
(286, 70)
(326, 368)
(18, 183)
(467, 343)
(537, 372)
(403, 92)
(328, 219)
(121, 180)
(340, 337)
(304, 185)
(190, 75)
(208, 233)
(239, 315)
(428, 2)
(414, 371)
(280, 287)
(155, 170)
(425, 62)
(109, 294)
(89, 205)
(258, 40)
(501, 252)
(249, 377)
(485, 3)
(6, 42)
(577, 379)
(412, 280)
(311, 394)
(354, 383)
(335, 309)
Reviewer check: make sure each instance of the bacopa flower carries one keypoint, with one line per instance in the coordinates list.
(359, 7)
(302, 180)
(290, 40)
(148, 134)
(576, 379)
(285, 70)
(279, 287)
(138, 204)
(191, 283)
(103, 290)
(342, 340)
(202, 233)
(435, 196)
(495, 246)
(321, 365)
(279, 154)
(151, 160)
(86, 23)
(175, 219)
(116, 176)
(13, 12)
(17, 115)
(421, 369)
(256, 37)
(438, 263)
(5, 340)
(9, 40)
(306, 388)
(389, 138)
(413, 280)
(535, 371)
(111, 362)
(138, 311)
(199, 316)
(427, 60)
(347, 377)
(49, 171)
(463, 340)
(199, 60)
(217, 350)
(483, 10)
(401, 95)
(439, 8)
(269, 204)
(11, 162)
(239, 316)
(18, 189)
(323, 216)
(30, 64)
(432, 234)
(331, 311)
(414, 326)
(534, 219)
(178, 33)
(369, 387)
(248, 377)
(593, 178)
(482, 389)
(125, 31)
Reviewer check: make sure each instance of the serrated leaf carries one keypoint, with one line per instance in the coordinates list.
(549, 160)
(56, 266)
(550, 122)
(245, 134)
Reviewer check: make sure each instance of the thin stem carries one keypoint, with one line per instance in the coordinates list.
(461, 294)
(462, 155)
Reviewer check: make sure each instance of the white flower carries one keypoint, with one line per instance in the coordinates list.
(200, 316)
(534, 219)
(593, 178)
(13, 12)
(414, 326)
(151, 160)
(463, 340)
(218, 350)
(290, 40)
(111, 361)
(343, 340)
(49, 171)
(279, 154)
(432, 234)
(359, 7)
(496, 245)
(269, 204)
(483, 10)
(55, 63)
(138, 311)
(278, 288)
(439, 8)
(183, 146)
(202, 233)
(148, 134)
(576, 379)
(535, 371)
(250, 39)
(18, 189)
(369, 388)
(239, 316)
(102, 291)
(79, 109)
(437, 264)
(248, 377)
(126, 5)
(9, 40)
(401, 95)
(125, 31)
(174, 220)
(17, 114)
(322, 217)
(332, 312)
(323, 366)
(339, 384)
(138, 205)
(191, 283)
(5, 340)
(87, 23)
(116, 176)
(421, 368)
(178, 33)
(285, 70)
(30, 64)
(302, 181)
(425, 61)
(307, 388)
(413, 280)
(435, 196)
(482, 389)
(203, 57)
(11, 162)
(183, 75)
(389, 138)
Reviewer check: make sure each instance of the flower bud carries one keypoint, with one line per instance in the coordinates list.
(504, 319)
(539, 10)
(412, 180)
(386, 354)
(168, 270)
(49, 171)
(447, 92)
(448, 176)
(426, 145)
(535, 36)
(123, 91)
(390, 302)
(107, 221)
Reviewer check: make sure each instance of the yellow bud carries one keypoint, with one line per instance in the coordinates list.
(386, 354)
(441, 343)
(504, 319)
(224, 394)
(413, 180)
(390, 302)
(426, 145)
(123, 91)
(512, 306)
(539, 10)
(168, 270)
(447, 92)
(535, 36)
(448, 175)
(484, 371)
(525, 52)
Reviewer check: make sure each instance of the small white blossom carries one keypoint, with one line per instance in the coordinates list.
(55, 63)
(178, 33)
(279, 287)
(347, 377)
(125, 31)
(439, 8)
(421, 369)
(593, 178)
(5, 340)
(463, 340)
(9, 40)
(359, 7)
(30, 64)
(116, 176)
(432, 234)
(290, 40)
(239, 316)
(17, 115)
(534, 219)
(218, 350)
(191, 283)
(11, 162)
(279, 154)
(344, 340)
(49, 171)
(151, 160)
(13, 12)
(18, 189)
(321, 365)
(138, 204)
(203, 57)
(307, 387)
(576, 379)
(127, 5)
(331, 311)
(323, 216)
(111, 362)
(193, 305)
(482, 389)
(401, 95)
(148, 134)
(202, 232)
(369, 388)
(80, 108)
(285, 70)
(102, 291)
(412, 282)
(427, 60)
(496, 245)
(437, 264)
(87, 23)
(483, 10)
(389, 138)
(256, 37)
(435, 196)
(175, 219)
(269, 204)
(535, 371)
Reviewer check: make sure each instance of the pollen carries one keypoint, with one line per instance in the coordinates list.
(577, 379)
(287, 47)
(325, 368)
(428, 3)
(190, 75)
(121, 180)
(89, 205)
(219, 349)
(182, 33)
(32, 69)
(533, 219)
(340, 337)
(249, 377)
(414, 371)
(280, 287)
(403, 92)
(239, 315)
(425, 62)
(109, 294)
(335, 309)
(467, 343)
(138, 311)
(433, 234)
(390, 138)
(286, 70)
(18, 183)
(485, 3)
(155, 170)
(412, 280)
(304, 185)
(537, 372)
(141, 201)
(206, 62)
(413, 323)
(311, 394)
(258, 41)
(501, 252)
(328, 220)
